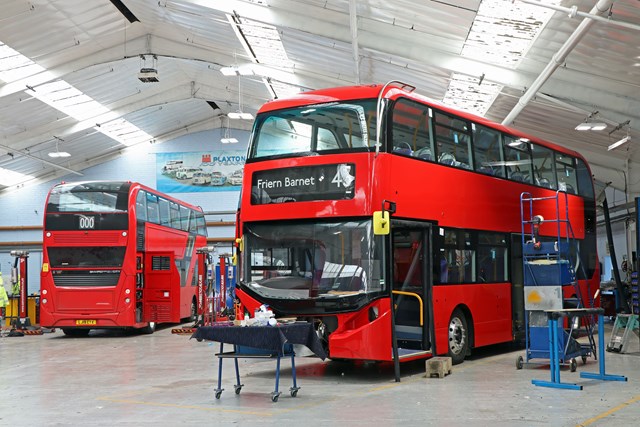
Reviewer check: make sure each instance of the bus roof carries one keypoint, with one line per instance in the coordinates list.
(132, 185)
(338, 94)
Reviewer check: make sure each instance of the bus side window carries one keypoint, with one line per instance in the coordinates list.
(184, 218)
(165, 218)
(141, 205)
(174, 213)
(487, 151)
(412, 130)
(152, 208)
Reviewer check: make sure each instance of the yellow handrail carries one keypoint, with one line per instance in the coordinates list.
(413, 294)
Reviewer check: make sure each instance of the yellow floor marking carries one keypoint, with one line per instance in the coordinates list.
(609, 412)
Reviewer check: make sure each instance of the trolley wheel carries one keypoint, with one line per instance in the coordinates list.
(573, 365)
(519, 362)
(218, 393)
(584, 359)
(275, 396)
(237, 388)
(294, 391)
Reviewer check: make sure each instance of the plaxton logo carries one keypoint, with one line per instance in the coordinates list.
(223, 160)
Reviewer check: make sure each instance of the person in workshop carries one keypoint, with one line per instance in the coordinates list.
(4, 300)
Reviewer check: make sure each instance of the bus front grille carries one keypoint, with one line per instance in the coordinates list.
(86, 279)
(101, 238)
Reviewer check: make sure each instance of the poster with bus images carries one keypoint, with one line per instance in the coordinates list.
(190, 172)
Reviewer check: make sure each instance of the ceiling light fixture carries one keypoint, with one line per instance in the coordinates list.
(227, 138)
(589, 125)
(148, 74)
(239, 114)
(58, 153)
(619, 143)
(239, 70)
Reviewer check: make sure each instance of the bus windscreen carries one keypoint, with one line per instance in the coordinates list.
(88, 197)
(324, 128)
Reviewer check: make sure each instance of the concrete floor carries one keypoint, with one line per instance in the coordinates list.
(164, 379)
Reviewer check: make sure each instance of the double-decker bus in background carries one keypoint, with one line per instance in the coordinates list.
(118, 254)
(393, 223)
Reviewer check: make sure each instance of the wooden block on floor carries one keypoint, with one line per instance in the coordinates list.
(438, 366)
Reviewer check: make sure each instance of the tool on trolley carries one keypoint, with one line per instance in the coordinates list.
(549, 249)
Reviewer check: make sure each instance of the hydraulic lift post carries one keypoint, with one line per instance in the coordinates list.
(22, 321)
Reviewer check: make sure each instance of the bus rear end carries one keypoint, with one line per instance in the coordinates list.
(86, 281)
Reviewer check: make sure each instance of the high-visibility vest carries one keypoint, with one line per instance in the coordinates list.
(4, 299)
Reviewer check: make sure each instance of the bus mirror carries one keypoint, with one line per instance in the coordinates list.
(381, 223)
(240, 243)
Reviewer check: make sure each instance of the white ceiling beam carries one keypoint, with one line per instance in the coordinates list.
(558, 59)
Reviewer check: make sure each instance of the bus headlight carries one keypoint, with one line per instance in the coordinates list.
(127, 291)
(44, 292)
(44, 300)
(127, 300)
(48, 234)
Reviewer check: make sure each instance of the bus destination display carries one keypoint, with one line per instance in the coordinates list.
(299, 184)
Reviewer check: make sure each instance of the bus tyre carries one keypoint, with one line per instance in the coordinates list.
(70, 332)
(150, 328)
(194, 311)
(458, 336)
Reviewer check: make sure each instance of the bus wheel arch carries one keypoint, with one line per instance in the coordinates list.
(459, 334)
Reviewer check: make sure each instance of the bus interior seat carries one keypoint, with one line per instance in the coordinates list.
(486, 169)
(544, 182)
(403, 148)
(424, 153)
(567, 188)
(447, 159)
(517, 176)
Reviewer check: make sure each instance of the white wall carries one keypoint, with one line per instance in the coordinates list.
(24, 207)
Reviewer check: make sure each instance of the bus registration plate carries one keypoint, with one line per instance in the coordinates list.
(85, 322)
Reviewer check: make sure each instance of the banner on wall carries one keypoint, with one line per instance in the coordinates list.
(191, 172)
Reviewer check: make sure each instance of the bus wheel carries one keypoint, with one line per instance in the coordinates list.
(458, 337)
(75, 332)
(149, 329)
(194, 311)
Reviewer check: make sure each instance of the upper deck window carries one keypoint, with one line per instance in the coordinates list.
(315, 129)
(89, 197)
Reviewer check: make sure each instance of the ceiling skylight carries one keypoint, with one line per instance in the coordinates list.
(264, 46)
(67, 99)
(502, 33)
(9, 177)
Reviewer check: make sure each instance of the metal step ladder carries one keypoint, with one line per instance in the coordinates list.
(623, 328)
(548, 263)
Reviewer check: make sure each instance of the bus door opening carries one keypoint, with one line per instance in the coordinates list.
(161, 292)
(411, 266)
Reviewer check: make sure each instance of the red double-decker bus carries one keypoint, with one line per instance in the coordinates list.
(394, 223)
(118, 254)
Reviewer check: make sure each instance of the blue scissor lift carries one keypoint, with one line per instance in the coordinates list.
(548, 268)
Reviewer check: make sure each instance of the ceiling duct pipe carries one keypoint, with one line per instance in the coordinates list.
(558, 59)
(353, 23)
